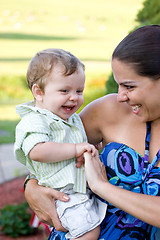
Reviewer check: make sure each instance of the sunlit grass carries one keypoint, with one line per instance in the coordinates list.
(8, 112)
(89, 29)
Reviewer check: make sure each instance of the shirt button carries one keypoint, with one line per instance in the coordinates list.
(82, 197)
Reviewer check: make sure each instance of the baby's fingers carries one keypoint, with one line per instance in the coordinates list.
(80, 161)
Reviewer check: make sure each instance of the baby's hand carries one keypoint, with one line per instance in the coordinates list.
(80, 149)
(84, 147)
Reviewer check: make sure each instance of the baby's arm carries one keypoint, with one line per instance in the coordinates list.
(56, 152)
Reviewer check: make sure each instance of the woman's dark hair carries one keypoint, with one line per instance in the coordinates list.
(141, 48)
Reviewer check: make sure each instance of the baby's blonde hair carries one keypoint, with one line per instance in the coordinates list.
(44, 61)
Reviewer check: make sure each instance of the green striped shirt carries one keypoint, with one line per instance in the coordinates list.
(40, 125)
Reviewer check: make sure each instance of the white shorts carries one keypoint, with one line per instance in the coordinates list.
(82, 213)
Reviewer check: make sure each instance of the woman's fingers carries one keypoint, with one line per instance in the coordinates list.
(42, 201)
(95, 170)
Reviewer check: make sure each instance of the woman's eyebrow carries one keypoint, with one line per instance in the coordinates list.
(126, 83)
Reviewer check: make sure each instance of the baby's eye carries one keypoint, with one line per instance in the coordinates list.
(80, 91)
(64, 90)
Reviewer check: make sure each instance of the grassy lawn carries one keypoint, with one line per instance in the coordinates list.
(89, 29)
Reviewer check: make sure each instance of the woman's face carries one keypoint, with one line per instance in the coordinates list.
(141, 93)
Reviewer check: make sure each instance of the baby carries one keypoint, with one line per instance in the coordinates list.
(50, 136)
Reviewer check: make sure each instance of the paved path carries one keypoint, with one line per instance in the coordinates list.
(9, 166)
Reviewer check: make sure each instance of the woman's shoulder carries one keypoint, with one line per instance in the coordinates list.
(106, 106)
(102, 117)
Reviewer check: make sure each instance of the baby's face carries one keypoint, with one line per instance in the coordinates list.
(63, 95)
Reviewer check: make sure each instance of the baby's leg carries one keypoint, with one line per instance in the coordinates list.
(91, 235)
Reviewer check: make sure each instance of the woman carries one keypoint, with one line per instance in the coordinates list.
(128, 125)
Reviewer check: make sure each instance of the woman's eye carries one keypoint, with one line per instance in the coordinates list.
(129, 87)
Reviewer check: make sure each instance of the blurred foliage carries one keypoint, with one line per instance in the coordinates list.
(111, 85)
(13, 87)
(15, 220)
(150, 13)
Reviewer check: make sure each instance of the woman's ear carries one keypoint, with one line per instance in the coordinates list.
(37, 92)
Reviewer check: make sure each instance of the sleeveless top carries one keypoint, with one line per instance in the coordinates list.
(129, 170)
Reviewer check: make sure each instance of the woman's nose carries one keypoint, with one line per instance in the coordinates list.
(122, 95)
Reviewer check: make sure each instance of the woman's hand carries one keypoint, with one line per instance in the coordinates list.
(41, 200)
(142, 206)
(95, 171)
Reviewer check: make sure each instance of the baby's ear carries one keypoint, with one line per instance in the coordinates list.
(37, 92)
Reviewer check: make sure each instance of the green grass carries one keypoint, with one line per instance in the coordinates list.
(8, 134)
(8, 122)
(89, 29)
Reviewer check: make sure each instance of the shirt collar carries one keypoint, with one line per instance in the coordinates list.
(25, 108)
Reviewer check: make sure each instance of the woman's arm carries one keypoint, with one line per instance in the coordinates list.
(42, 201)
(142, 206)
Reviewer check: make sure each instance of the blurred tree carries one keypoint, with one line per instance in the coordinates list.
(111, 84)
(149, 14)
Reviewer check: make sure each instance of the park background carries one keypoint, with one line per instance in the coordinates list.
(89, 29)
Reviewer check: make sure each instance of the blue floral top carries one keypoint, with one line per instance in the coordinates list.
(129, 170)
